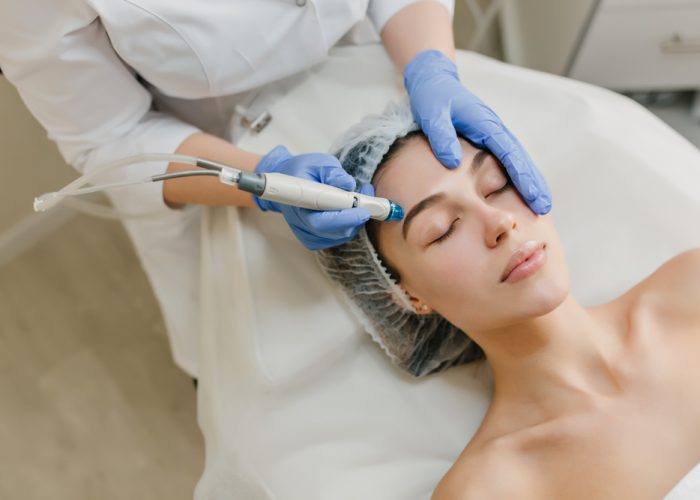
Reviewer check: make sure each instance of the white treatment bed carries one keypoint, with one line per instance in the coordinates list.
(296, 402)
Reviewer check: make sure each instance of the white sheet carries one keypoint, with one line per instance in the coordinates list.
(295, 401)
(688, 488)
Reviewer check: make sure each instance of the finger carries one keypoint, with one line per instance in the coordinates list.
(475, 121)
(327, 169)
(309, 240)
(315, 242)
(280, 149)
(274, 156)
(320, 165)
(367, 189)
(541, 203)
(339, 178)
(336, 222)
(527, 179)
(443, 138)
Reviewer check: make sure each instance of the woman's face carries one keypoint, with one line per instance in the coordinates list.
(460, 230)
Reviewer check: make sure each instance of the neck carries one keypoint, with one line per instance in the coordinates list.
(556, 363)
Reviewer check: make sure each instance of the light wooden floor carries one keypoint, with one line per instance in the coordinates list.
(91, 405)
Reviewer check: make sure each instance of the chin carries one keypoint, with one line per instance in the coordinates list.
(550, 285)
(547, 297)
(533, 302)
(545, 292)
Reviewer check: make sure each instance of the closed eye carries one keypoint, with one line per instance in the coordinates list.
(447, 234)
(507, 185)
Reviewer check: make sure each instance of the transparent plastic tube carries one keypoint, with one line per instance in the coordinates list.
(49, 200)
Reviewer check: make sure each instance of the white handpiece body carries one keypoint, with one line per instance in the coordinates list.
(304, 193)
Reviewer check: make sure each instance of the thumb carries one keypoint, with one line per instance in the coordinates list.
(273, 157)
(367, 189)
(339, 178)
(336, 221)
(443, 139)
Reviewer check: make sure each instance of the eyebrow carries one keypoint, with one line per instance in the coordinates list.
(431, 200)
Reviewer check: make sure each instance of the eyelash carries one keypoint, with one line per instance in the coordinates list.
(447, 234)
(505, 186)
(452, 227)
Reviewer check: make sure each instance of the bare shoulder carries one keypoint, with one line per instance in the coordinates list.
(673, 290)
(683, 268)
(488, 473)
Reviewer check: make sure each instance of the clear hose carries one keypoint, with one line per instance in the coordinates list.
(49, 200)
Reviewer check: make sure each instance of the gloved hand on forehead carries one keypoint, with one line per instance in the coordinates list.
(443, 107)
(315, 229)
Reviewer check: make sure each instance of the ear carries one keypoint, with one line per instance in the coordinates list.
(419, 305)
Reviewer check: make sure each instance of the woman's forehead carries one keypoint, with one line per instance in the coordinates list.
(414, 166)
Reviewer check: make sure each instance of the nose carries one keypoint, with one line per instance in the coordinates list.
(499, 224)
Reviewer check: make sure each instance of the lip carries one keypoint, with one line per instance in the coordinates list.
(530, 254)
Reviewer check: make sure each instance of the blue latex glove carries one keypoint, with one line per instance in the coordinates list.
(443, 107)
(315, 229)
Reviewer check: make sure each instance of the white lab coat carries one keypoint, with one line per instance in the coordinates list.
(110, 79)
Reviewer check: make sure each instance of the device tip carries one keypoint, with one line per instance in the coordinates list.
(395, 212)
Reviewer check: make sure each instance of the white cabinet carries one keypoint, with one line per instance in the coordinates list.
(621, 44)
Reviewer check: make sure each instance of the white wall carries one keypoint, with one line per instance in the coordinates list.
(540, 34)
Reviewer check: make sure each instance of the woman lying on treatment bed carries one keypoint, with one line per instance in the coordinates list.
(588, 402)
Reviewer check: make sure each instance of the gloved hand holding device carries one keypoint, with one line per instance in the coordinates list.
(315, 229)
(443, 107)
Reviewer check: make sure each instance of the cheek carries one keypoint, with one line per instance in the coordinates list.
(557, 274)
(454, 274)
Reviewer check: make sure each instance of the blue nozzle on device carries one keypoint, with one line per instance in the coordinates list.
(395, 212)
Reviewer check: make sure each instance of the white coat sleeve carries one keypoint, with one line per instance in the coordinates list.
(58, 56)
(380, 11)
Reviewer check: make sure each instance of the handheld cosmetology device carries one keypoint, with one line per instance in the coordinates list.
(277, 187)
